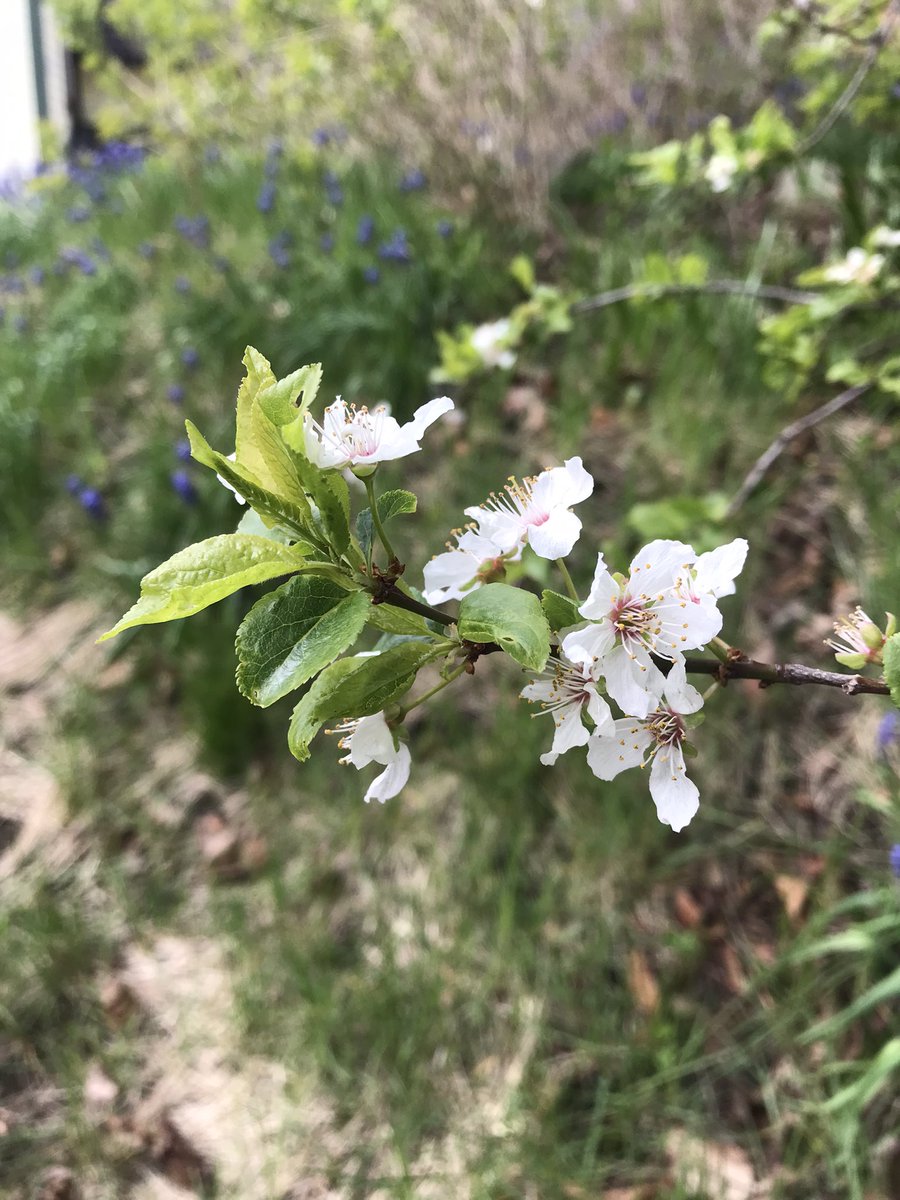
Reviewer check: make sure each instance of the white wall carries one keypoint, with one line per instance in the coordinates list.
(19, 142)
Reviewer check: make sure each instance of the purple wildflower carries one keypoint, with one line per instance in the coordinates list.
(73, 485)
(265, 201)
(175, 393)
(413, 181)
(183, 486)
(92, 502)
(326, 243)
(365, 229)
(371, 274)
(445, 229)
(894, 859)
(183, 450)
(190, 357)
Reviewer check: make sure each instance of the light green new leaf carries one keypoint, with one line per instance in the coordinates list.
(293, 514)
(204, 573)
(560, 611)
(295, 631)
(512, 618)
(258, 376)
(285, 401)
(356, 687)
(891, 658)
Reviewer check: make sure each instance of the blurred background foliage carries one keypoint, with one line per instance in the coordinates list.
(511, 981)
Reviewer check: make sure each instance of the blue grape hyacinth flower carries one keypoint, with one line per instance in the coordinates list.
(183, 486)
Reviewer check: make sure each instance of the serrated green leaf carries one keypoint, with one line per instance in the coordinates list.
(356, 687)
(295, 631)
(560, 611)
(891, 659)
(390, 619)
(293, 514)
(332, 498)
(510, 617)
(204, 573)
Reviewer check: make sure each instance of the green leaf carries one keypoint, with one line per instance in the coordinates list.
(258, 376)
(391, 504)
(512, 618)
(204, 573)
(332, 498)
(284, 402)
(560, 611)
(891, 659)
(356, 687)
(295, 631)
(293, 514)
(390, 619)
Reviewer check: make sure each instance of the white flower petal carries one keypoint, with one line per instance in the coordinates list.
(717, 570)
(608, 755)
(556, 536)
(682, 696)
(371, 741)
(633, 680)
(603, 594)
(656, 567)
(599, 711)
(428, 414)
(589, 645)
(561, 487)
(392, 780)
(675, 796)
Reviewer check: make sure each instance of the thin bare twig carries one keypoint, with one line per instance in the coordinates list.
(776, 449)
(848, 95)
(792, 673)
(712, 287)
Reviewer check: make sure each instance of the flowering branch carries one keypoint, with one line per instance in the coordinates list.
(740, 667)
(776, 449)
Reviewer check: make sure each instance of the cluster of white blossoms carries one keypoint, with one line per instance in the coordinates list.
(666, 606)
(536, 513)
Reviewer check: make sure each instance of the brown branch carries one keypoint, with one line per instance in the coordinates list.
(756, 473)
(792, 673)
(712, 287)
(400, 600)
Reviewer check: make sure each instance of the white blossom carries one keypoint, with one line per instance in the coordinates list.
(537, 511)
(474, 561)
(858, 267)
(885, 236)
(658, 739)
(566, 691)
(368, 740)
(491, 343)
(720, 171)
(710, 577)
(353, 437)
(641, 616)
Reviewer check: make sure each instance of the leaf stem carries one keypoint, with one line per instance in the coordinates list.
(369, 481)
(570, 586)
(433, 691)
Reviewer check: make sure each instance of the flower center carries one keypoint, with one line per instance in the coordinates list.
(667, 727)
(517, 500)
(634, 620)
